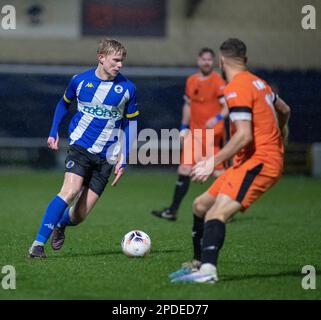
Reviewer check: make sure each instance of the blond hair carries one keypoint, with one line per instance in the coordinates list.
(109, 46)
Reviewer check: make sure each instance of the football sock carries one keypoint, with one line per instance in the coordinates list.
(65, 219)
(182, 185)
(52, 215)
(197, 235)
(37, 243)
(213, 239)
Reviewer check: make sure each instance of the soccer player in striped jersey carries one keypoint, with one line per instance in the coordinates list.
(106, 108)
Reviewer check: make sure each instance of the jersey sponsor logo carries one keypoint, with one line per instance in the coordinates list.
(119, 89)
(102, 112)
(231, 95)
(89, 85)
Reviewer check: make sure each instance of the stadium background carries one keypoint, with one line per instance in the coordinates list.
(56, 39)
(58, 33)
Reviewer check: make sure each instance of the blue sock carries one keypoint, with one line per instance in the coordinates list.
(65, 219)
(52, 215)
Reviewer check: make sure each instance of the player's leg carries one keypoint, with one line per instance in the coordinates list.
(90, 194)
(242, 186)
(73, 216)
(181, 189)
(76, 170)
(214, 232)
(200, 206)
(213, 239)
(66, 219)
(79, 212)
(191, 153)
(71, 187)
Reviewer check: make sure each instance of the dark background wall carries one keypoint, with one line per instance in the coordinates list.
(28, 102)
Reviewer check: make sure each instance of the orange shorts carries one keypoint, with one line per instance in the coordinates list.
(200, 145)
(246, 183)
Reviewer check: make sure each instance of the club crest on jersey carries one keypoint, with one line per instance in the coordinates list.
(70, 164)
(119, 89)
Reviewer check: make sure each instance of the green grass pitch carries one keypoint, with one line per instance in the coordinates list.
(262, 258)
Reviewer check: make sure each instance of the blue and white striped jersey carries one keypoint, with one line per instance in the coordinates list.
(102, 106)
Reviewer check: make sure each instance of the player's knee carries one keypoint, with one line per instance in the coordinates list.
(199, 208)
(217, 215)
(69, 194)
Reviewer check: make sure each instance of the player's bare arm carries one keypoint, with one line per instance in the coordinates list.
(283, 113)
(185, 118)
(242, 137)
(222, 116)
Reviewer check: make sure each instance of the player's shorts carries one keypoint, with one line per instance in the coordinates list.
(246, 183)
(95, 170)
(201, 144)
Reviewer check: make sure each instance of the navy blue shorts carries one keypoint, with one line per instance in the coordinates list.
(94, 169)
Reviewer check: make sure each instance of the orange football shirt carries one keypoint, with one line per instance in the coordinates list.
(204, 96)
(251, 98)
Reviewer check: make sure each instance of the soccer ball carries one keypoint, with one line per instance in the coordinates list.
(136, 243)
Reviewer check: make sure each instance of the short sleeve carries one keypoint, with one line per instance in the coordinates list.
(240, 102)
(71, 90)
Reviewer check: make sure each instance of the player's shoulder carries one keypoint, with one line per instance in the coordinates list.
(253, 82)
(85, 75)
(192, 78)
(243, 80)
(217, 77)
(125, 82)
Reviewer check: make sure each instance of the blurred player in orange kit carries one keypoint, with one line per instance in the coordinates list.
(259, 121)
(204, 108)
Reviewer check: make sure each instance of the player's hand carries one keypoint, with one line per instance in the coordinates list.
(119, 171)
(183, 134)
(211, 123)
(203, 170)
(53, 143)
